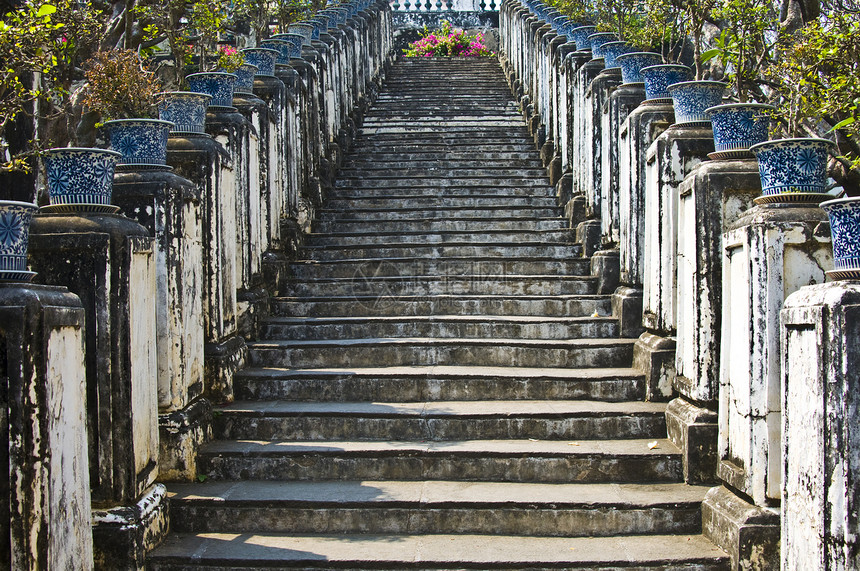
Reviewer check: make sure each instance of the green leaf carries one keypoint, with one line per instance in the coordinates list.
(46, 10)
(201, 478)
(710, 54)
(843, 123)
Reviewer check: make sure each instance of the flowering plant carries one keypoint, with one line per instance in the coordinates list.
(448, 42)
(229, 59)
(120, 86)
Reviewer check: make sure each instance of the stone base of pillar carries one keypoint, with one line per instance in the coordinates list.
(554, 170)
(574, 210)
(748, 533)
(627, 308)
(181, 434)
(539, 133)
(221, 360)
(606, 267)
(547, 152)
(252, 305)
(275, 266)
(693, 429)
(588, 235)
(564, 189)
(123, 535)
(655, 356)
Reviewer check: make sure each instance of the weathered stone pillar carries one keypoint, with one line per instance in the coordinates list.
(168, 206)
(642, 126)
(669, 159)
(103, 258)
(581, 139)
(47, 522)
(207, 164)
(821, 402)
(712, 197)
(566, 188)
(769, 253)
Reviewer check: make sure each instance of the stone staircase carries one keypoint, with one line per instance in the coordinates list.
(442, 389)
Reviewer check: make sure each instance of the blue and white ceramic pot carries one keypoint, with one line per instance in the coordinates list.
(245, 79)
(658, 78)
(844, 214)
(632, 63)
(186, 110)
(295, 41)
(579, 35)
(793, 167)
(139, 141)
(280, 45)
(737, 127)
(15, 220)
(80, 175)
(332, 15)
(263, 58)
(321, 25)
(302, 29)
(691, 98)
(611, 51)
(215, 83)
(598, 40)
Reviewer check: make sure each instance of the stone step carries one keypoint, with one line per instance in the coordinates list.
(442, 170)
(439, 148)
(506, 197)
(438, 383)
(435, 224)
(502, 135)
(550, 510)
(442, 251)
(422, 305)
(401, 109)
(538, 461)
(522, 237)
(441, 181)
(435, 552)
(388, 289)
(527, 213)
(387, 351)
(467, 200)
(369, 269)
(465, 159)
(439, 421)
(439, 326)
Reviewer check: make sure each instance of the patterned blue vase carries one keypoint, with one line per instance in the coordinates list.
(792, 166)
(844, 214)
(245, 79)
(599, 40)
(295, 41)
(141, 142)
(263, 58)
(692, 98)
(611, 51)
(332, 15)
(658, 78)
(737, 127)
(304, 30)
(580, 36)
(321, 24)
(80, 175)
(15, 220)
(215, 83)
(186, 110)
(632, 63)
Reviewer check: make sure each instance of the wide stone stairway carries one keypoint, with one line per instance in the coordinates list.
(441, 388)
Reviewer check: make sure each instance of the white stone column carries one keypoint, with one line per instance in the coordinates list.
(821, 404)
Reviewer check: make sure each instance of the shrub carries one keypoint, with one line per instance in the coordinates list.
(448, 42)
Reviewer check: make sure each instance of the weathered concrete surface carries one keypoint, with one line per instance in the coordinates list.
(819, 397)
(748, 533)
(48, 494)
(693, 429)
(769, 253)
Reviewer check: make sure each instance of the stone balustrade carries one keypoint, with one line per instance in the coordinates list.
(761, 411)
(143, 316)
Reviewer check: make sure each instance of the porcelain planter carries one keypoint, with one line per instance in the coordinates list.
(320, 25)
(658, 78)
(263, 58)
(332, 15)
(611, 51)
(302, 29)
(737, 127)
(141, 142)
(691, 98)
(632, 63)
(793, 170)
(598, 40)
(580, 36)
(215, 83)
(245, 79)
(186, 110)
(844, 214)
(80, 179)
(15, 220)
(293, 49)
